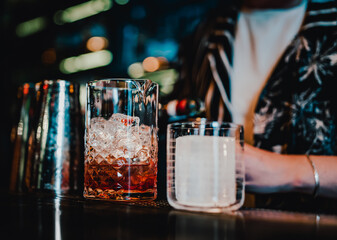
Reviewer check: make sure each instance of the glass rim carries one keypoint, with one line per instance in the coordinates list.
(206, 124)
(125, 80)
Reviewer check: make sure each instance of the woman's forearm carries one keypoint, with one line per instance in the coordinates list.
(303, 177)
(269, 172)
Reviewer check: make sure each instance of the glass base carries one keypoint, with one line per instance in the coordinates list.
(121, 195)
(209, 209)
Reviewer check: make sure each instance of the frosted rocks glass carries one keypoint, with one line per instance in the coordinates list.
(205, 171)
(121, 143)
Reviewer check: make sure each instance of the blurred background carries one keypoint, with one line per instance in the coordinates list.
(81, 41)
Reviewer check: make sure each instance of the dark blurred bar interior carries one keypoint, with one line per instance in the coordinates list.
(84, 40)
(81, 41)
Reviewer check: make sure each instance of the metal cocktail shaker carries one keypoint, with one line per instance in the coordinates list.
(26, 118)
(53, 161)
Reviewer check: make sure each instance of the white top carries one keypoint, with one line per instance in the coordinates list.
(261, 38)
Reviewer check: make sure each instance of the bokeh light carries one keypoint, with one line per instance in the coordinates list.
(49, 56)
(136, 70)
(82, 10)
(163, 62)
(86, 61)
(122, 2)
(151, 64)
(97, 43)
(30, 27)
(26, 88)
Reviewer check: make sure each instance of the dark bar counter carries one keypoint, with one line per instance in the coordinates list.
(31, 216)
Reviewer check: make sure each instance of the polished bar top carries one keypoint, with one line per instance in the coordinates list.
(73, 217)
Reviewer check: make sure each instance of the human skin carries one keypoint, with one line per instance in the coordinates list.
(269, 172)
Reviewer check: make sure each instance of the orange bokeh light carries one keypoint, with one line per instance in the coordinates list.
(97, 43)
(49, 56)
(151, 64)
(26, 88)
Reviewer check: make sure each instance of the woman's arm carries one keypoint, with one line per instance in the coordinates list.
(268, 172)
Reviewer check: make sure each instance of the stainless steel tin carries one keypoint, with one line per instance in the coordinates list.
(21, 131)
(54, 155)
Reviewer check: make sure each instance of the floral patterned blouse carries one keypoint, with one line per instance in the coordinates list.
(297, 109)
